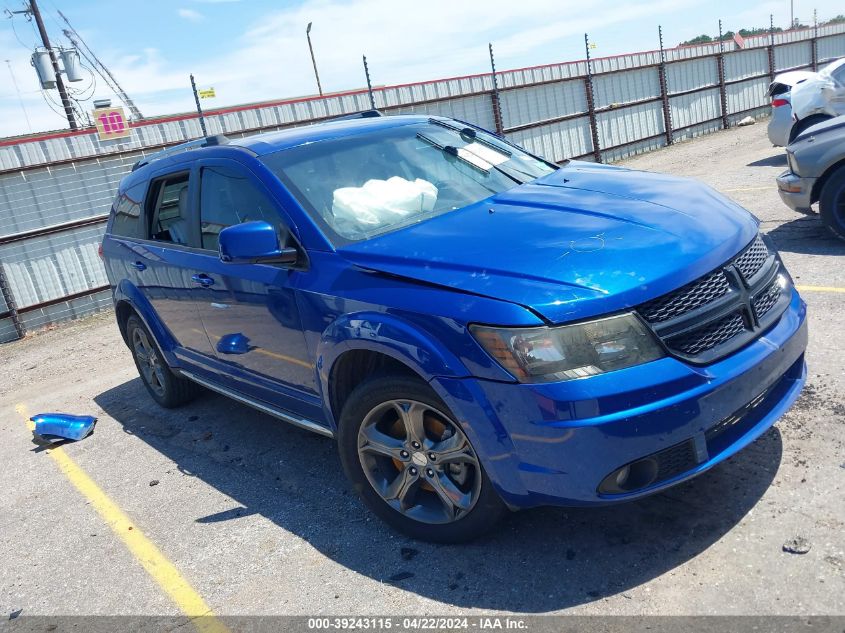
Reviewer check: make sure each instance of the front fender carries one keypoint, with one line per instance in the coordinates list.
(389, 335)
(126, 292)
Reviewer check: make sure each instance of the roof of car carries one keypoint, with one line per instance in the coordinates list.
(274, 141)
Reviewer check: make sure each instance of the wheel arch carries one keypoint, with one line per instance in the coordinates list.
(357, 346)
(818, 186)
(128, 300)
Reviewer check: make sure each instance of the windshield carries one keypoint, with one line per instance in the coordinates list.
(367, 184)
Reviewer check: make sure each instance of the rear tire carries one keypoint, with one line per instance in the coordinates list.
(832, 203)
(411, 463)
(806, 124)
(167, 388)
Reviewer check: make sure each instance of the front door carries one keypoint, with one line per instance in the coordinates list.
(250, 311)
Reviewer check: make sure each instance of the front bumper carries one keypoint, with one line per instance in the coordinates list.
(554, 444)
(795, 191)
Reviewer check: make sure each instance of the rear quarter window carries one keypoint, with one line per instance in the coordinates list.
(128, 208)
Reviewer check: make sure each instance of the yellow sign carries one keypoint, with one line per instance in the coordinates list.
(111, 123)
(206, 93)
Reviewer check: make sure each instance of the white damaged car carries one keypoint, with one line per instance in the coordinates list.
(818, 98)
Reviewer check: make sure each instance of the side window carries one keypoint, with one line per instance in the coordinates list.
(170, 216)
(227, 197)
(127, 212)
(839, 75)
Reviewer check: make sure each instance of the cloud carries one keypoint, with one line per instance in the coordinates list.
(268, 59)
(191, 15)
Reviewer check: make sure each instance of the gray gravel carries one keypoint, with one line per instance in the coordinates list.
(258, 517)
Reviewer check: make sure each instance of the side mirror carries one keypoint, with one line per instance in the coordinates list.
(253, 243)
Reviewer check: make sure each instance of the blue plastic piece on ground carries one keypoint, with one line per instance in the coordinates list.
(63, 426)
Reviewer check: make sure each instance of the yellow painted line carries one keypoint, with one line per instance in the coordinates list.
(772, 187)
(162, 571)
(287, 359)
(820, 289)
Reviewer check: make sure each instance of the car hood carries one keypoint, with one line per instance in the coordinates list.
(836, 123)
(583, 241)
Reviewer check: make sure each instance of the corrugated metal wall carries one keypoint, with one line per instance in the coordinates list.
(55, 189)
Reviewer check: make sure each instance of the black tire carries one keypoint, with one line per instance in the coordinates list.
(422, 519)
(166, 388)
(805, 124)
(832, 203)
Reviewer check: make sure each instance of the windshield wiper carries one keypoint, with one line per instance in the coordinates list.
(451, 150)
(473, 134)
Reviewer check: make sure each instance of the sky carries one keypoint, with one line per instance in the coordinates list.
(256, 50)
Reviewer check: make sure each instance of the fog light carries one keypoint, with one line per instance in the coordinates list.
(622, 476)
(631, 477)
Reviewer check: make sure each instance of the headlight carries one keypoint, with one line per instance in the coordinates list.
(545, 354)
(790, 160)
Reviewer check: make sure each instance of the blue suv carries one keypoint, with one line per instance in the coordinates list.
(478, 328)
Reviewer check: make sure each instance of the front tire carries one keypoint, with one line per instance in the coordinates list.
(832, 203)
(412, 464)
(167, 388)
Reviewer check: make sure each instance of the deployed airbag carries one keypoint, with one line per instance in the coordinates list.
(379, 203)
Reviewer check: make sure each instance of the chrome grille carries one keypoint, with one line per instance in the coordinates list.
(690, 297)
(698, 320)
(752, 259)
(708, 336)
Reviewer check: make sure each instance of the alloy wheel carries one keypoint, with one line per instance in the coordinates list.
(149, 361)
(419, 461)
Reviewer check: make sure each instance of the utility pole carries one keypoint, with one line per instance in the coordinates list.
(791, 14)
(313, 61)
(60, 84)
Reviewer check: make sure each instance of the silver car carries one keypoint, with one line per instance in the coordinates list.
(780, 91)
(816, 173)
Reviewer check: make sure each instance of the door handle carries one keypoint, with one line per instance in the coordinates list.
(138, 265)
(203, 280)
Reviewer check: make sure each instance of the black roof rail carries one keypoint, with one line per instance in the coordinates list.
(365, 114)
(207, 141)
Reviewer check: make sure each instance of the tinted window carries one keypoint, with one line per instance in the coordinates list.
(170, 216)
(227, 197)
(127, 212)
(367, 184)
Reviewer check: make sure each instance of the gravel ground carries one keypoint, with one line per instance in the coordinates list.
(258, 518)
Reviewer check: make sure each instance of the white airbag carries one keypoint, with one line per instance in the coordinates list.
(381, 202)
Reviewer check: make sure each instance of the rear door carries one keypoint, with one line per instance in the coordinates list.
(164, 265)
(250, 311)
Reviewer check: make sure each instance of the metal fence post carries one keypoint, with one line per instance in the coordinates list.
(664, 90)
(497, 104)
(591, 108)
(10, 303)
(723, 96)
(771, 47)
(369, 84)
(199, 107)
(814, 42)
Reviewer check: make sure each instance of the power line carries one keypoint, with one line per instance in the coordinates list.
(20, 99)
(105, 72)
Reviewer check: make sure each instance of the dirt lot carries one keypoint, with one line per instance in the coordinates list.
(257, 518)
